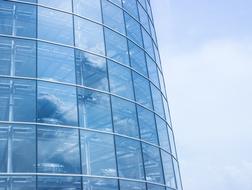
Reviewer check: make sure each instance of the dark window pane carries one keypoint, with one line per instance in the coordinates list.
(56, 63)
(129, 158)
(16, 56)
(17, 182)
(99, 184)
(116, 46)
(120, 80)
(94, 110)
(98, 154)
(55, 26)
(91, 70)
(65, 5)
(131, 7)
(124, 116)
(132, 185)
(168, 169)
(157, 101)
(56, 104)
(162, 134)
(58, 150)
(17, 100)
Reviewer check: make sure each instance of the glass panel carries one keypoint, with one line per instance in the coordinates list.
(129, 158)
(144, 18)
(116, 21)
(152, 70)
(117, 2)
(17, 19)
(157, 101)
(172, 142)
(98, 154)
(89, 36)
(17, 100)
(58, 183)
(56, 104)
(147, 125)
(148, 45)
(142, 90)
(131, 7)
(56, 63)
(167, 111)
(88, 8)
(152, 163)
(124, 116)
(161, 79)
(15, 140)
(143, 3)
(177, 173)
(131, 185)
(16, 56)
(157, 56)
(168, 169)
(55, 26)
(137, 59)
(155, 187)
(120, 80)
(116, 46)
(162, 134)
(99, 184)
(94, 110)
(65, 5)
(133, 29)
(91, 70)
(17, 182)
(58, 150)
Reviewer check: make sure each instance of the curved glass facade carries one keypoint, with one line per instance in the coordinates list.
(82, 98)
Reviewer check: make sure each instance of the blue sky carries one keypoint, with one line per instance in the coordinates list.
(206, 52)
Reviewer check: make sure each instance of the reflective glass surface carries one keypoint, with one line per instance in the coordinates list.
(99, 184)
(18, 182)
(131, 7)
(125, 185)
(65, 5)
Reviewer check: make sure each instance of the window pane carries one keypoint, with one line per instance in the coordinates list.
(155, 187)
(120, 80)
(56, 63)
(144, 18)
(65, 5)
(172, 142)
(137, 59)
(129, 158)
(133, 29)
(55, 26)
(20, 53)
(148, 45)
(56, 104)
(142, 90)
(124, 116)
(168, 169)
(161, 79)
(116, 21)
(131, 185)
(117, 2)
(17, 100)
(157, 101)
(98, 154)
(167, 111)
(99, 184)
(147, 125)
(89, 36)
(17, 182)
(162, 134)
(58, 183)
(131, 7)
(17, 19)
(94, 110)
(152, 70)
(88, 8)
(58, 150)
(91, 70)
(116, 46)
(152, 163)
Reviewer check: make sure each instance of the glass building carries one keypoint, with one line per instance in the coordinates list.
(82, 98)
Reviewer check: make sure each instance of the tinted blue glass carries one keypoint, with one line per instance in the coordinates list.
(91, 70)
(152, 163)
(120, 80)
(167, 111)
(148, 45)
(161, 79)
(154, 187)
(58, 150)
(142, 90)
(152, 70)
(129, 158)
(55, 26)
(89, 36)
(143, 18)
(143, 3)
(168, 169)
(126, 185)
(99, 184)
(162, 134)
(157, 55)
(16, 56)
(147, 125)
(94, 110)
(137, 59)
(56, 63)
(98, 154)
(116, 46)
(172, 142)
(117, 2)
(88, 8)
(153, 32)
(124, 117)
(56, 104)
(65, 5)
(58, 183)
(17, 100)
(17, 19)
(116, 21)
(157, 101)
(131, 7)
(18, 182)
